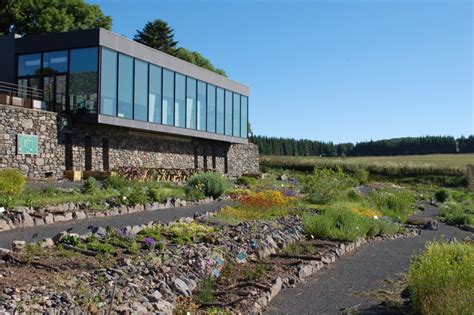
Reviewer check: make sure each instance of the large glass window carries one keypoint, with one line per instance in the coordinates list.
(228, 113)
(125, 87)
(83, 79)
(236, 129)
(108, 82)
(220, 111)
(54, 62)
(29, 65)
(179, 103)
(201, 106)
(244, 116)
(211, 108)
(191, 103)
(168, 97)
(140, 95)
(154, 96)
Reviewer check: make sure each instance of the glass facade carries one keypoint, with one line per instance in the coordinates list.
(179, 103)
(108, 82)
(168, 97)
(220, 111)
(211, 108)
(125, 87)
(236, 116)
(140, 110)
(29, 65)
(131, 88)
(83, 79)
(244, 116)
(154, 95)
(228, 113)
(69, 78)
(54, 62)
(201, 106)
(191, 103)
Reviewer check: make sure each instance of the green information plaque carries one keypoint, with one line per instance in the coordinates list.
(27, 144)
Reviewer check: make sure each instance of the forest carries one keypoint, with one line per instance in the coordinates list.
(396, 146)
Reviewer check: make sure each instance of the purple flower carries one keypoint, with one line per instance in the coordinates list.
(289, 193)
(149, 242)
(124, 234)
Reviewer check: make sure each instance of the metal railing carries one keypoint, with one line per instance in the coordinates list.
(15, 90)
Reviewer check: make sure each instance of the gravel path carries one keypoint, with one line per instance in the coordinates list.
(38, 233)
(332, 289)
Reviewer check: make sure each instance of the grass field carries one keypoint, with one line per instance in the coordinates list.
(452, 161)
(452, 167)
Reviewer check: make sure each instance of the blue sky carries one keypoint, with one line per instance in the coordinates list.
(331, 70)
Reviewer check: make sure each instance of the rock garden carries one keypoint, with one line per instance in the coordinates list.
(279, 229)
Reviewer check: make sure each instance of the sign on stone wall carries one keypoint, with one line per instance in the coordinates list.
(27, 144)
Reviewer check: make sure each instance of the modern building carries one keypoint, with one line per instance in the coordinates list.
(94, 100)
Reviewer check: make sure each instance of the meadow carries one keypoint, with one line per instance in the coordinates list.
(441, 169)
(455, 162)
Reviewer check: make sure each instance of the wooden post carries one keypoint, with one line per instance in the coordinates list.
(470, 176)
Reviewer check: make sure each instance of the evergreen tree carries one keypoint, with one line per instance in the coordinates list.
(159, 35)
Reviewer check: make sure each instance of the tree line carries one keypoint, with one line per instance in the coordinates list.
(397, 146)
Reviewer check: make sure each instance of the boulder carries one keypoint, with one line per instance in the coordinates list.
(182, 287)
(18, 245)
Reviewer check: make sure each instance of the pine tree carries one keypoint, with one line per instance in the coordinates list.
(159, 35)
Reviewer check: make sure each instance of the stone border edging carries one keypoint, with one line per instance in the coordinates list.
(28, 217)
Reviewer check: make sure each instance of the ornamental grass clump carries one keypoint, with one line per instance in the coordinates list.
(211, 184)
(441, 280)
(394, 203)
(342, 224)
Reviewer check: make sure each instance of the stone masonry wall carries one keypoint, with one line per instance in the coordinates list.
(243, 159)
(126, 147)
(50, 158)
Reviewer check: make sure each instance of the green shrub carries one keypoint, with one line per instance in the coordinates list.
(184, 233)
(90, 186)
(442, 195)
(116, 182)
(211, 184)
(360, 174)
(326, 185)
(95, 245)
(334, 224)
(137, 195)
(7, 202)
(151, 232)
(194, 194)
(394, 203)
(441, 280)
(456, 213)
(461, 196)
(12, 182)
(72, 240)
(246, 181)
(345, 225)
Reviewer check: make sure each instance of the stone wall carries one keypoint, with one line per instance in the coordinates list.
(50, 158)
(243, 159)
(125, 147)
